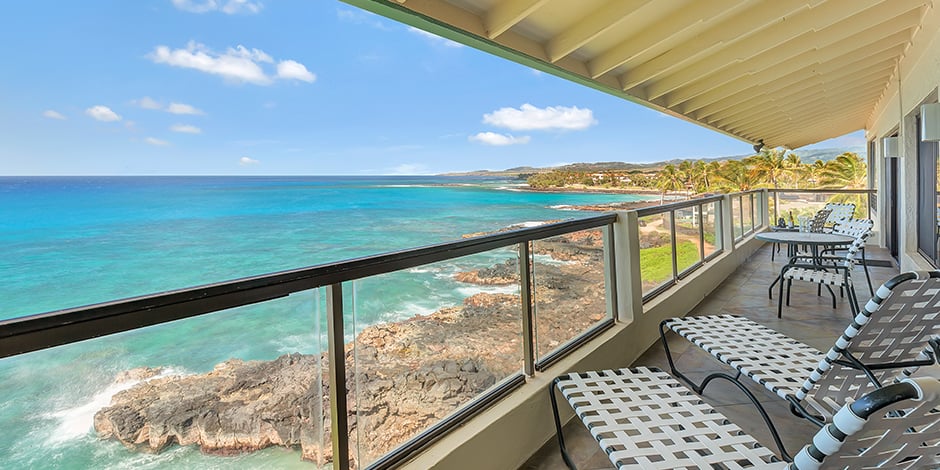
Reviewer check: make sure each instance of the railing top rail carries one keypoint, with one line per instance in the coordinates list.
(749, 191)
(842, 191)
(652, 210)
(34, 332)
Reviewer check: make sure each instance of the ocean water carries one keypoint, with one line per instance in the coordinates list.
(72, 241)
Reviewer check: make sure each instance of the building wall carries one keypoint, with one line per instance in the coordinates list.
(919, 74)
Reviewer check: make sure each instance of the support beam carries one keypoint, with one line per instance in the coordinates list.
(507, 14)
(681, 24)
(586, 29)
(805, 30)
(746, 23)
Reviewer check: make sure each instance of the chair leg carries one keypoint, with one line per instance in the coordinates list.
(789, 287)
(833, 294)
(780, 301)
(561, 437)
(853, 300)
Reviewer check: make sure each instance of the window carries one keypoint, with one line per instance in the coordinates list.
(928, 199)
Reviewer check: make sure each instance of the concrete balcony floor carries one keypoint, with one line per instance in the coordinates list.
(809, 318)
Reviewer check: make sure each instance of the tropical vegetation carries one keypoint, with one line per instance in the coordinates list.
(771, 168)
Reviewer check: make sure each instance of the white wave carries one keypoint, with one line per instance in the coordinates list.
(563, 207)
(409, 310)
(471, 291)
(528, 224)
(77, 421)
(547, 259)
(508, 188)
(302, 343)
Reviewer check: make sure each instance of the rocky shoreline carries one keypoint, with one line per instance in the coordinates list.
(402, 377)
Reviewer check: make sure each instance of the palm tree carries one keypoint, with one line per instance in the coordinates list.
(845, 171)
(687, 173)
(669, 179)
(735, 175)
(770, 165)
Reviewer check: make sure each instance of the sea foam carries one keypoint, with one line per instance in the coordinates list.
(75, 422)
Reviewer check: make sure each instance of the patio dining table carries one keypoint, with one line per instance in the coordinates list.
(813, 240)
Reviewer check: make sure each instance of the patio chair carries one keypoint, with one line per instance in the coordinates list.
(839, 213)
(809, 268)
(884, 341)
(853, 228)
(644, 419)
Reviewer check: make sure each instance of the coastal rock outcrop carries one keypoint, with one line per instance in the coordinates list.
(402, 376)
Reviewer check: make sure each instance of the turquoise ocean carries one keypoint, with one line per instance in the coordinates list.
(73, 241)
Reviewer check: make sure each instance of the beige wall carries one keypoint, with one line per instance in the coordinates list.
(919, 73)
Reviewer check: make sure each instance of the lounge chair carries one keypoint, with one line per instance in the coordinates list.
(644, 419)
(885, 340)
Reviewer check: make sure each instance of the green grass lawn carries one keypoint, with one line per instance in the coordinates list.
(656, 262)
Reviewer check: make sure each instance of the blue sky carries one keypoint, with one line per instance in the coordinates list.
(302, 87)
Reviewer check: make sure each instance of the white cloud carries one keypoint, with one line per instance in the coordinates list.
(173, 108)
(185, 129)
(230, 7)
(245, 161)
(156, 142)
(433, 38)
(52, 114)
(238, 64)
(492, 138)
(528, 117)
(181, 108)
(147, 103)
(102, 113)
(289, 69)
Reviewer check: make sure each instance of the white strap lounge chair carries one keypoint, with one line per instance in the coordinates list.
(884, 341)
(644, 419)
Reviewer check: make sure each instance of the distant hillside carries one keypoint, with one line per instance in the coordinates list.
(806, 156)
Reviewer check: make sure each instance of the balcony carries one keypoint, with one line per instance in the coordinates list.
(809, 319)
(571, 295)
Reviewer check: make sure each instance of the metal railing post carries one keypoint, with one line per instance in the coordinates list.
(610, 271)
(727, 223)
(675, 255)
(339, 425)
(528, 320)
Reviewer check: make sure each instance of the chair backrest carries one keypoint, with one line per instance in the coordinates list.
(897, 426)
(853, 227)
(861, 230)
(840, 212)
(819, 220)
(893, 329)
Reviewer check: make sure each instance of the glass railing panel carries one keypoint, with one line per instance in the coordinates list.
(238, 388)
(656, 252)
(428, 341)
(569, 290)
(737, 221)
(688, 238)
(712, 235)
(747, 212)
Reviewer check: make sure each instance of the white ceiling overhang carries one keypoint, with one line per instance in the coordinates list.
(787, 72)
